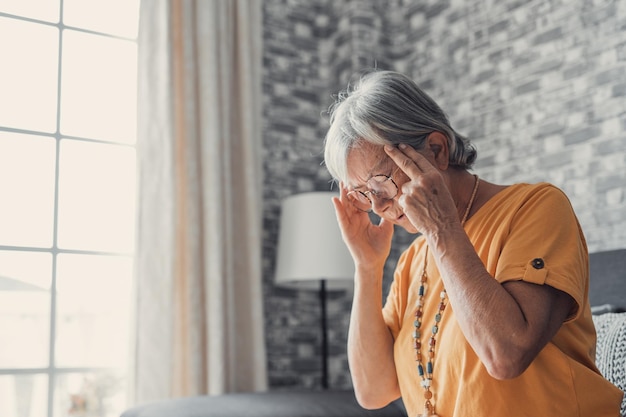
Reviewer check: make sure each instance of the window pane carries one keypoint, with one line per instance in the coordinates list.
(25, 279)
(96, 394)
(96, 196)
(93, 306)
(98, 87)
(23, 395)
(116, 17)
(28, 75)
(27, 166)
(47, 10)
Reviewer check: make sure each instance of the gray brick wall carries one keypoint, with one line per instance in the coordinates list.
(539, 86)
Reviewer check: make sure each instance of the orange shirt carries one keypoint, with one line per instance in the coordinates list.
(519, 225)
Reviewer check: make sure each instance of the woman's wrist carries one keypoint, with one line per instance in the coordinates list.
(367, 273)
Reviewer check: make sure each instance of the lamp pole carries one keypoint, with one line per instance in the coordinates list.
(323, 320)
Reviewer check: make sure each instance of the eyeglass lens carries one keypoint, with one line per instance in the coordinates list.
(381, 186)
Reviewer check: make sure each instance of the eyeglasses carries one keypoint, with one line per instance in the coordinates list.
(381, 186)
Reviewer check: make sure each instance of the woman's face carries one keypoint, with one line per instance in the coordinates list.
(370, 161)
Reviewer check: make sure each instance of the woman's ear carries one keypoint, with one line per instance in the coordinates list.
(437, 144)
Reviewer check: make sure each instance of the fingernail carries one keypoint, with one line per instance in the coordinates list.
(402, 146)
(388, 148)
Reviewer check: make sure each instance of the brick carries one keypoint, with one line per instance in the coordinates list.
(611, 146)
(501, 26)
(576, 70)
(581, 135)
(550, 35)
(528, 87)
(609, 76)
(437, 8)
(619, 90)
(615, 181)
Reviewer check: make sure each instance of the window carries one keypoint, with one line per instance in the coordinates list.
(68, 185)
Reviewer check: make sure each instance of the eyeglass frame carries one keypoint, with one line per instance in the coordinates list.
(373, 192)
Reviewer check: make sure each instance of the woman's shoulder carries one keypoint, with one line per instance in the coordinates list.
(525, 191)
(514, 199)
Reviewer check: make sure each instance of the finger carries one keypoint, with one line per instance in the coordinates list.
(420, 160)
(343, 191)
(341, 201)
(339, 210)
(411, 162)
(343, 207)
(343, 196)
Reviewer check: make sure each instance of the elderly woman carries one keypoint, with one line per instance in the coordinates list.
(488, 313)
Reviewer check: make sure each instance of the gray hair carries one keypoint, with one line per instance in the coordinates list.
(388, 108)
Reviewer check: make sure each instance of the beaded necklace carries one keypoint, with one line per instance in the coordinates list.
(426, 374)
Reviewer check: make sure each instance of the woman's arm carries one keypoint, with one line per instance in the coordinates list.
(506, 324)
(370, 344)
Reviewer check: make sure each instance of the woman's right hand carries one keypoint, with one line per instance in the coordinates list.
(369, 244)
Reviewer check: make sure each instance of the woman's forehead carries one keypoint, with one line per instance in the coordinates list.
(365, 162)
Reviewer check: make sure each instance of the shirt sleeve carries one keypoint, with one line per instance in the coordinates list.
(546, 246)
(391, 313)
(395, 303)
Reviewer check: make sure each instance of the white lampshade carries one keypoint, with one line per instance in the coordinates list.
(310, 247)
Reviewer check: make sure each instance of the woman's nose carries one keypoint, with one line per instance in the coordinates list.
(379, 204)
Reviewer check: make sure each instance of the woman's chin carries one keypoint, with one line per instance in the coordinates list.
(411, 229)
(406, 224)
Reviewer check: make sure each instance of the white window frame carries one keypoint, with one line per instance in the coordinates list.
(52, 371)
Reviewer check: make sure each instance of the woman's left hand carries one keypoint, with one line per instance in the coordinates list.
(425, 198)
(369, 244)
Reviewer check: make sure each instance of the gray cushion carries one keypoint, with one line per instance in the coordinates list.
(611, 349)
(266, 404)
(607, 283)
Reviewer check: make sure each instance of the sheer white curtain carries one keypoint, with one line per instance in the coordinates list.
(199, 291)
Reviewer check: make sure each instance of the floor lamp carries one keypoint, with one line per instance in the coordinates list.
(312, 254)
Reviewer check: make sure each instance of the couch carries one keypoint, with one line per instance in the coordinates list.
(607, 295)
